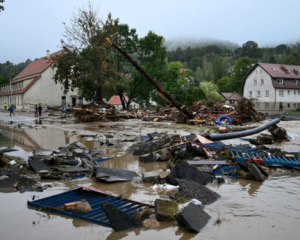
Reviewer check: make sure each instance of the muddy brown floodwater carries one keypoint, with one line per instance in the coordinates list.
(247, 209)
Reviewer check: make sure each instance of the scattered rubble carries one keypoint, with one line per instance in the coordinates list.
(165, 210)
(192, 163)
(114, 175)
(200, 113)
(120, 220)
(189, 189)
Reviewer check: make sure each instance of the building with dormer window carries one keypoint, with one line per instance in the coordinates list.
(274, 87)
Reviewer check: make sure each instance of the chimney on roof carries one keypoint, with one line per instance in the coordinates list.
(48, 55)
(295, 71)
(284, 69)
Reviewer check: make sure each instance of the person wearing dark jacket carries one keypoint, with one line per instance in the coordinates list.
(11, 110)
(40, 110)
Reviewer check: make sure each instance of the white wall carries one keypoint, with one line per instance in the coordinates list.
(289, 101)
(259, 74)
(46, 92)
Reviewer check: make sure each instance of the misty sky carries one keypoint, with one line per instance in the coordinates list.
(29, 27)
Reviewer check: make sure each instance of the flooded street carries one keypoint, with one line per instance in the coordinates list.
(247, 209)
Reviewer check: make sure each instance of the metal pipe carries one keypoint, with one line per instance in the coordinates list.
(224, 136)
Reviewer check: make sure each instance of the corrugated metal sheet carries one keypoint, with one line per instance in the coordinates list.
(95, 197)
(267, 159)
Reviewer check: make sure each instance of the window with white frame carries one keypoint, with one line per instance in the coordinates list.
(262, 81)
(267, 93)
(297, 81)
(295, 92)
(250, 93)
(288, 105)
(255, 82)
(258, 104)
(266, 105)
(258, 93)
(295, 105)
(280, 80)
(298, 92)
(281, 93)
(289, 92)
(260, 71)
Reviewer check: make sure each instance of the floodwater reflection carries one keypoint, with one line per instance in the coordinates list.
(251, 185)
(29, 139)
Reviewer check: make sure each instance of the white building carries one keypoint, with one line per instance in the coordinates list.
(274, 87)
(35, 85)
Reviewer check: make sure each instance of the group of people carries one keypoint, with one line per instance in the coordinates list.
(38, 110)
(11, 109)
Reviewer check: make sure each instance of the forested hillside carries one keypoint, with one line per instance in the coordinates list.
(9, 70)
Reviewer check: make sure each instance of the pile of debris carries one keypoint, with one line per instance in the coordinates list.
(208, 112)
(204, 113)
(192, 162)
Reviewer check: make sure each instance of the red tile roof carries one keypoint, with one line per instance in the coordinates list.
(289, 73)
(36, 67)
(281, 70)
(287, 83)
(114, 100)
(232, 96)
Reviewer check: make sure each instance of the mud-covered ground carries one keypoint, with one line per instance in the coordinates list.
(247, 209)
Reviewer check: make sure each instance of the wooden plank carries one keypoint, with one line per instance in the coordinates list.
(203, 139)
(70, 205)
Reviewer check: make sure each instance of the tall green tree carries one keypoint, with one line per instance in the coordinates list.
(211, 90)
(199, 76)
(294, 56)
(240, 69)
(88, 62)
(180, 83)
(281, 48)
(207, 69)
(151, 54)
(225, 84)
(250, 49)
(195, 63)
(219, 70)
